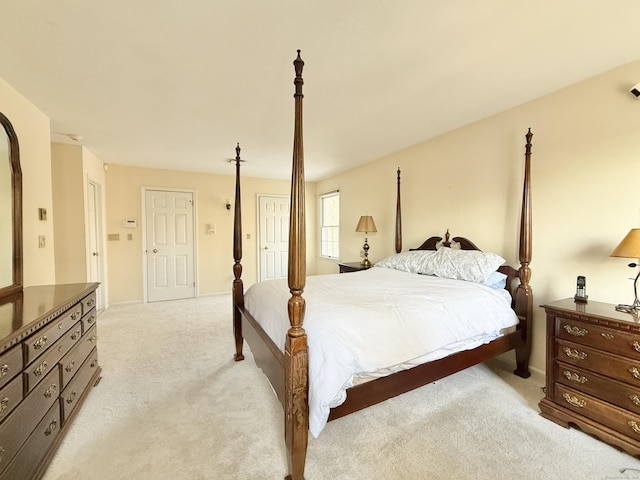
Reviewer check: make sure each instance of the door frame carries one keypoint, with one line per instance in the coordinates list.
(259, 223)
(101, 292)
(144, 236)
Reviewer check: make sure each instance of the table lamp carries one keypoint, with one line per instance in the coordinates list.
(366, 225)
(630, 248)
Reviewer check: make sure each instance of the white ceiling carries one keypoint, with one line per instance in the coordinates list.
(175, 84)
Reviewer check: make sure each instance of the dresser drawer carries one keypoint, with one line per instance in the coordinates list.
(613, 391)
(88, 302)
(10, 364)
(623, 343)
(73, 392)
(614, 366)
(89, 320)
(34, 372)
(615, 418)
(17, 427)
(72, 361)
(23, 465)
(10, 396)
(37, 344)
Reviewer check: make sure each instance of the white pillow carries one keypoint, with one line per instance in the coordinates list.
(469, 265)
(410, 261)
(496, 280)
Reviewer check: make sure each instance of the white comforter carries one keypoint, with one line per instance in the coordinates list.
(377, 321)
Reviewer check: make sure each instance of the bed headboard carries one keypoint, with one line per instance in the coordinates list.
(435, 242)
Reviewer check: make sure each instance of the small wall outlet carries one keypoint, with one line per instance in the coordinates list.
(113, 236)
(129, 236)
(42, 241)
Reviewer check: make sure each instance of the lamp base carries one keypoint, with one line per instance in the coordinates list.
(580, 298)
(365, 263)
(628, 308)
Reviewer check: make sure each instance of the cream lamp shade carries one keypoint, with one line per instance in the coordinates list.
(629, 246)
(366, 224)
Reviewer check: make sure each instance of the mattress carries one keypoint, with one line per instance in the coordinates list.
(377, 321)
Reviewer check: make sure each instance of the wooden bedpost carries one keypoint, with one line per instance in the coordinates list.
(398, 218)
(524, 294)
(238, 289)
(296, 351)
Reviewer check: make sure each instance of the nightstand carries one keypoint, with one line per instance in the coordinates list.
(593, 371)
(346, 267)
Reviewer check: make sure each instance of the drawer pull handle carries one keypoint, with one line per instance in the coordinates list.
(93, 338)
(4, 369)
(609, 336)
(634, 426)
(90, 303)
(574, 377)
(40, 343)
(4, 404)
(575, 401)
(94, 363)
(575, 331)
(76, 335)
(575, 354)
(74, 316)
(634, 371)
(636, 346)
(52, 428)
(41, 369)
(635, 399)
(70, 366)
(51, 391)
(91, 319)
(71, 397)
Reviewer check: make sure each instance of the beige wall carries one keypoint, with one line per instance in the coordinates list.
(32, 129)
(68, 203)
(585, 166)
(214, 252)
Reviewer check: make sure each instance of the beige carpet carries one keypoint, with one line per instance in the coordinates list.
(173, 404)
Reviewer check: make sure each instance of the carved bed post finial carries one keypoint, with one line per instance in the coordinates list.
(524, 294)
(296, 351)
(398, 218)
(238, 289)
(447, 236)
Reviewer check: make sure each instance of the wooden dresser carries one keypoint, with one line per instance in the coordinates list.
(48, 364)
(593, 371)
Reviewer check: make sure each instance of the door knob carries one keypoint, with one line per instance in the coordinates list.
(95, 254)
(266, 248)
(155, 250)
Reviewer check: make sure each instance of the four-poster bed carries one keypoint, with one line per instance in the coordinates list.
(287, 363)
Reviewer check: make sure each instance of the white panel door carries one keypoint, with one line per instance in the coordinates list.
(169, 245)
(274, 236)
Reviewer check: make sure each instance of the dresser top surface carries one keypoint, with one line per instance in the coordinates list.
(593, 309)
(36, 304)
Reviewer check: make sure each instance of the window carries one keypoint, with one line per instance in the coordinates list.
(330, 225)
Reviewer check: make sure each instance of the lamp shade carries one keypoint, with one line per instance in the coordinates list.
(366, 224)
(629, 246)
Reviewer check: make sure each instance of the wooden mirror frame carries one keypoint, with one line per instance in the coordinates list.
(16, 177)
